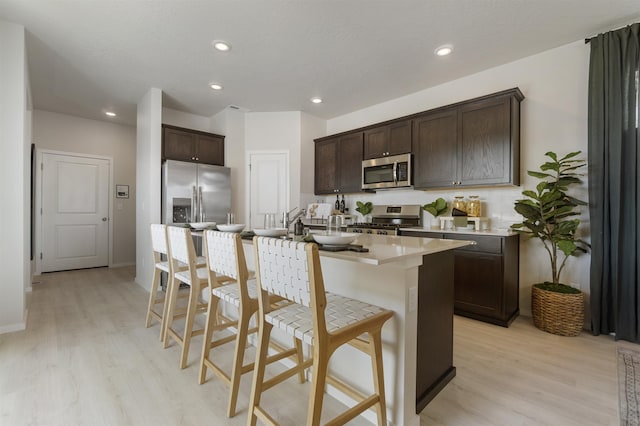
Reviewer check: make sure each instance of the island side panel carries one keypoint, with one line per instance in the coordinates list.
(386, 286)
(434, 367)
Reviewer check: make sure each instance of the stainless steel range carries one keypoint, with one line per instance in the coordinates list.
(386, 220)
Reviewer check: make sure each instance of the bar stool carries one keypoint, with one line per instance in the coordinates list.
(159, 246)
(225, 257)
(324, 320)
(161, 249)
(184, 266)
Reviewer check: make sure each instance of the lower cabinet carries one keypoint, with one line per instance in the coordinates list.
(486, 282)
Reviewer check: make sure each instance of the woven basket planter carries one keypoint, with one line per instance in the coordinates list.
(557, 313)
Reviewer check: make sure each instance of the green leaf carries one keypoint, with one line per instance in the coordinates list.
(568, 247)
(552, 155)
(571, 155)
(538, 174)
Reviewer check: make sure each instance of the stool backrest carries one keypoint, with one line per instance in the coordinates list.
(181, 245)
(289, 269)
(159, 238)
(221, 251)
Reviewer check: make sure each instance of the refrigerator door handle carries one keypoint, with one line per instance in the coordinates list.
(201, 205)
(194, 204)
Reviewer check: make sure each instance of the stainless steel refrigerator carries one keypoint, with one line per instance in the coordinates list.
(194, 192)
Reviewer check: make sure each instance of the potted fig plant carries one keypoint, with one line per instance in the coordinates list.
(551, 215)
(364, 209)
(436, 208)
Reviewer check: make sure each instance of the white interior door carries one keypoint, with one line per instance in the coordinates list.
(269, 186)
(75, 212)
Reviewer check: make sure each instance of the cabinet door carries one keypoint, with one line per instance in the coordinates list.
(399, 138)
(435, 149)
(350, 163)
(478, 283)
(179, 145)
(485, 142)
(376, 142)
(210, 150)
(326, 155)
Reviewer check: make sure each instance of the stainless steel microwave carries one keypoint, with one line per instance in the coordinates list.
(387, 172)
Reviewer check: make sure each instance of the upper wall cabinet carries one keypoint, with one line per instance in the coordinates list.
(473, 143)
(338, 164)
(192, 145)
(391, 139)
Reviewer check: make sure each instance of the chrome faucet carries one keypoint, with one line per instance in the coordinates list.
(287, 220)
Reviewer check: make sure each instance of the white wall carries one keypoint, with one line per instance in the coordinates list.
(553, 117)
(61, 132)
(185, 119)
(148, 159)
(15, 177)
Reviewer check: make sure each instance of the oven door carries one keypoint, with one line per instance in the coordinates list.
(387, 172)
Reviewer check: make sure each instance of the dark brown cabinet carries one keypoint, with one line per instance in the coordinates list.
(338, 164)
(192, 145)
(473, 143)
(435, 149)
(391, 139)
(486, 282)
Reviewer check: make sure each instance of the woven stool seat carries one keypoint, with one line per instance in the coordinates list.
(340, 312)
(230, 293)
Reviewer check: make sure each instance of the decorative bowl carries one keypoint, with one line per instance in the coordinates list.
(336, 238)
(233, 227)
(201, 225)
(271, 232)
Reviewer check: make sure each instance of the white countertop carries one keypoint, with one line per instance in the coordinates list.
(388, 249)
(489, 232)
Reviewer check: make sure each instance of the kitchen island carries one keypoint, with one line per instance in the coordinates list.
(413, 277)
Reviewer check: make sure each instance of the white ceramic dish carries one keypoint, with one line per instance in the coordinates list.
(201, 225)
(335, 239)
(271, 232)
(234, 227)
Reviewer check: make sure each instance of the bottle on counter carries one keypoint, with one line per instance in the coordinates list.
(473, 206)
(298, 228)
(337, 204)
(342, 205)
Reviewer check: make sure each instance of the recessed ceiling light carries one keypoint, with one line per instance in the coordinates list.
(221, 45)
(215, 86)
(444, 50)
(316, 100)
(110, 114)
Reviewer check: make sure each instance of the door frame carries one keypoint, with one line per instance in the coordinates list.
(38, 204)
(248, 155)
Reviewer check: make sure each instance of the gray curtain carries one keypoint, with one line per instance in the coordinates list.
(614, 183)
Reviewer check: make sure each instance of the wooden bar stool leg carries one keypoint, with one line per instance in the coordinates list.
(212, 320)
(300, 357)
(238, 360)
(153, 294)
(259, 368)
(316, 396)
(172, 291)
(188, 326)
(375, 343)
(165, 309)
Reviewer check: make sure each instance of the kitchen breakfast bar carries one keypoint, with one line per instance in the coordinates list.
(413, 277)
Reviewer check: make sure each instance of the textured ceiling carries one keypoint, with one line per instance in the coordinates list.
(86, 57)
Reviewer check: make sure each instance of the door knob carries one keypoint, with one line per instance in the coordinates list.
(104, 219)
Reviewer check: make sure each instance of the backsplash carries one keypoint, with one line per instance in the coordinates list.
(497, 203)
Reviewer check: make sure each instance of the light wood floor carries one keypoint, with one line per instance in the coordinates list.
(87, 359)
